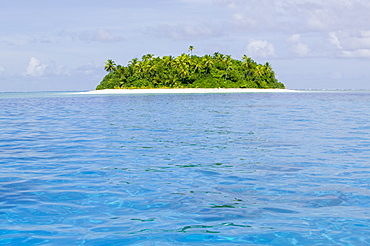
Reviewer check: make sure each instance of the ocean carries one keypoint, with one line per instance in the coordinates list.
(185, 169)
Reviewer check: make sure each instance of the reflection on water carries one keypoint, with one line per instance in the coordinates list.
(244, 169)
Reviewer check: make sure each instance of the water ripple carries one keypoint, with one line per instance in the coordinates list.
(227, 169)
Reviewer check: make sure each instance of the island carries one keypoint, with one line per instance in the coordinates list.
(189, 71)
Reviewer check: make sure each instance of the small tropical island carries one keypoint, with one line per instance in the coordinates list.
(189, 71)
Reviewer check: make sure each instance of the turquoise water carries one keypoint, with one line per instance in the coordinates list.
(185, 169)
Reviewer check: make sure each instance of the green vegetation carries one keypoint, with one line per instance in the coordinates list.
(189, 71)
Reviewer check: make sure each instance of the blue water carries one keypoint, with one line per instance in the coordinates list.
(185, 169)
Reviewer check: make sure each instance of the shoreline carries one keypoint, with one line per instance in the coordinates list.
(183, 91)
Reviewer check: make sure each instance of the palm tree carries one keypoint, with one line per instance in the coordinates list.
(183, 71)
(141, 69)
(218, 56)
(183, 58)
(187, 70)
(260, 70)
(207, 61)
(147, 57)
(170, 80)
(248, 65)
(133, 62)
(167, 61)
(248, 62)
(110, 66)
(151, 68)
(229, 65)
(191, 48)
(268, 68)
(197, 65)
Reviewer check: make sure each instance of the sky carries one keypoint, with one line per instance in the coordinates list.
(62, 45)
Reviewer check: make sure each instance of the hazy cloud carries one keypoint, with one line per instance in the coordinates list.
(16, 40)
(197, 1)
(260, 48)
(244, 21)
(185, 31)
(302, 15)
(105, 36)
(344, 21)
(87, 69)
(336, 75)
(99, 35)
(35, 68)
(2, 69)
(232, 4)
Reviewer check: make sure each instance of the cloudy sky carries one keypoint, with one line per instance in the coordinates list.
(62, 45)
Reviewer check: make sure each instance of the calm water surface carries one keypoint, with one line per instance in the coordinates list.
(199, 169)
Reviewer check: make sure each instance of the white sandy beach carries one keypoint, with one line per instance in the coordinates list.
(182, 91)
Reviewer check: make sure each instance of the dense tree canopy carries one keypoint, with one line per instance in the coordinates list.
(189, 71)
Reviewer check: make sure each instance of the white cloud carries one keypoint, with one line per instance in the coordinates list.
(35, 68)
(333, 39)
(353, 39)
(260, 49)
(2, 69)
(351, 44)
(360, 53)
(295, 38)
(298, 47)
(301, 49)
